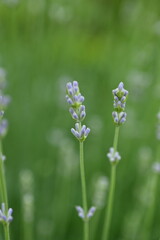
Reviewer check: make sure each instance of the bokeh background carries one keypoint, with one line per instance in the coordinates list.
(43, 45)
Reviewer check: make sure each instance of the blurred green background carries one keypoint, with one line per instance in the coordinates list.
(43, 45)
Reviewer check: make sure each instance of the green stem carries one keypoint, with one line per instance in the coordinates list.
(6, 231)
(84, 195)
(108, 215)
(3, 191)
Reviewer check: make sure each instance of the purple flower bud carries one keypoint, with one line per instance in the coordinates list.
(82, 108)
(75, 84)
(75, 133)
(120, 86)
(75, 98)
(71, 110)
(123, 99)
(122, 120)
(116, 98)
(69, 86)
(70, 92)
(125, 93)
(87, 132)
(75, 116)
(80, 212)
(83, 129)
(10, 211)
(115, 91)
(69, 100)
(91, 212)
(82, 115)
(81, 99)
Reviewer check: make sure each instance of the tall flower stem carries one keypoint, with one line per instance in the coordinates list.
(108, 216)
(84, 194)
(3, 191)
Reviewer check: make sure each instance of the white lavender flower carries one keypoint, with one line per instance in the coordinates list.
(113, 155)
(81, 213)
(80, 132)
(120, 98)
(5, 218)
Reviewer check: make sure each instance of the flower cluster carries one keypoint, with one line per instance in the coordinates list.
(81, 213)
(120, 98)
(5, 217)
(113, 156)
(77, 110)
(80, 132)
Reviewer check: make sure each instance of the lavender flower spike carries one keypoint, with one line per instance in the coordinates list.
(120, 98)
(3, 217)
(75, 100)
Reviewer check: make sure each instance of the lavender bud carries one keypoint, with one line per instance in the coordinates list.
(83, 129)
(82, 115)
(75, 84)
(81, 99)
(75, 133)
(71, 110)
(75, 116)
(91, 212)
(80, 212)
(75, 98)
(87, 132)
(69, 86)
(3, 217)
(82, 108)
(69, 101)
(120, 86)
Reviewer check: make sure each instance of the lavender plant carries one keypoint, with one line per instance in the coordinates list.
(5, 212)
(119, 117)
(78, 113)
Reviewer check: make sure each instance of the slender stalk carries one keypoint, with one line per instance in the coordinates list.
(6, 231)
(84, 195)
(108, 216)
(3, 191)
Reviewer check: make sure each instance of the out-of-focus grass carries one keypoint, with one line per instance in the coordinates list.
(43, 45)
